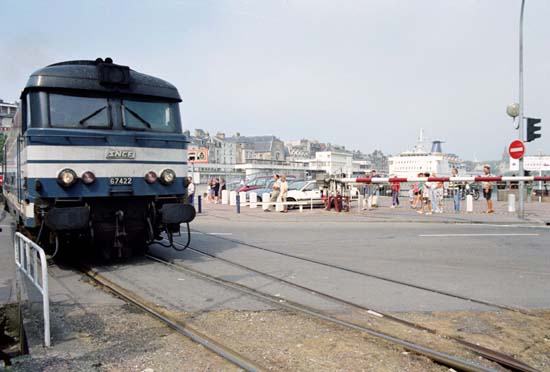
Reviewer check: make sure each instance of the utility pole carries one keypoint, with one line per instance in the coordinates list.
(521, 213)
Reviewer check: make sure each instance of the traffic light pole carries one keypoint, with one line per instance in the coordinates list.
(521, 213)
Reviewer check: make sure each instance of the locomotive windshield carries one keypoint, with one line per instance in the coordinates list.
(156, 116)
(74, 112)
(70, 111)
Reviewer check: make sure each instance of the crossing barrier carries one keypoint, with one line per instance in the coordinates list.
(27, 255)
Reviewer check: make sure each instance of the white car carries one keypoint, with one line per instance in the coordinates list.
(304, 191)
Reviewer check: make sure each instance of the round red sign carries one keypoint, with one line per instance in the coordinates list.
(516, 149)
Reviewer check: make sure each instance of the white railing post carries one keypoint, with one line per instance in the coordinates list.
(469, 203)
(30, 269)
(253, 200)
(511, 203)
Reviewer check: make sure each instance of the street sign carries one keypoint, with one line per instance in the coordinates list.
(516, 149)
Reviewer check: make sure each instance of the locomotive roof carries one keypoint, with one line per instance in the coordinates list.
(100, 76)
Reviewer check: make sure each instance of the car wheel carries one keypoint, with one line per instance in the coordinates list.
(291, 200)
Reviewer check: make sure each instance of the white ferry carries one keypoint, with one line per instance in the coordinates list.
(410, 163)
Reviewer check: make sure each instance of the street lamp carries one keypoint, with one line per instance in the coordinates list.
(521, 109)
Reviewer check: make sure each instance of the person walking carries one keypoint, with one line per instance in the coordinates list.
(455, 189)
(488, 189)
(275, 191)
(395, 187)
(426, 196)
(375, 189)
(283, 193)
(418, 193)
(216, 190)
(191, 191)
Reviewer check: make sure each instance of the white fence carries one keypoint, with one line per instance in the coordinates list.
(27, 255)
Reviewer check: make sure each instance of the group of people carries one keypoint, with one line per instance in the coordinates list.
(279, 192)
(427, 197)
(214, 190)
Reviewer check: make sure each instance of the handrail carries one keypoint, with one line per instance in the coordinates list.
(27, 254)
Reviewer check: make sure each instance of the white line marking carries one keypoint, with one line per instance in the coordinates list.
(458, 235)
(220, 234)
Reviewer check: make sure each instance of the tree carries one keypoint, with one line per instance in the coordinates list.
(2, 142)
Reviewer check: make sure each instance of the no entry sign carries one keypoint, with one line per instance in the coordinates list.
(516, 149)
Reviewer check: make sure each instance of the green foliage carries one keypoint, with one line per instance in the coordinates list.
(2, 142)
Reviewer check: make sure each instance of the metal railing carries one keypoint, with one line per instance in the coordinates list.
(27, 255)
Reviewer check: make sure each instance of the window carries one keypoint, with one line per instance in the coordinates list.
(150, 116)
(78, 112)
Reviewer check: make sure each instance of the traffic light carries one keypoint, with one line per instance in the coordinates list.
(533, 127)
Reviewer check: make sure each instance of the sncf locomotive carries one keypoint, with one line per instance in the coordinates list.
(97, 154)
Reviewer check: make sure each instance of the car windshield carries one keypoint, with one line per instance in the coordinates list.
(77, 112)
(297, 185)
(150, 116)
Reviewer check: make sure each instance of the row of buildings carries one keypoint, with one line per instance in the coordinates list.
(262, 155)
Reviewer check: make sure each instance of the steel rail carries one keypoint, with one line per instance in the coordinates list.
(490, 354)
(434, 355)
(196, 336)
(375, 276)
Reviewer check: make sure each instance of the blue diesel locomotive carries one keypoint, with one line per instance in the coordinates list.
(97, 154)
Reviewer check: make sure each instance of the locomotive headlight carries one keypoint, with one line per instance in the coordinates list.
(167, 176)
(66, 177)
(151, 177)
(88, 177)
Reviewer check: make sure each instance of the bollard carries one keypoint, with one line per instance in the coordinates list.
(511, 203)
(233, 198)
(265, 200)
(225, 197)
(199, 204)
(360, 203)
(242, 195)
(238, 202)
(469, 203)
(253, 200)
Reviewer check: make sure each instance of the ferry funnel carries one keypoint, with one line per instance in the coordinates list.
(436, 147)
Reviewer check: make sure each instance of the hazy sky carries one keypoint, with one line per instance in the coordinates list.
(365, 74)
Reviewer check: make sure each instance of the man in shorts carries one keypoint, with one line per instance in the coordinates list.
(488, 189)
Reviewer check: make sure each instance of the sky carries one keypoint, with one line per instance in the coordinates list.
(364, 74)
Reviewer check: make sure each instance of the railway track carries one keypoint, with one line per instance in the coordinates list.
(442, 358)
(184, 329)
(374, 276)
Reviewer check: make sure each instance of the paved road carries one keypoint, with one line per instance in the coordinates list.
(508, 265)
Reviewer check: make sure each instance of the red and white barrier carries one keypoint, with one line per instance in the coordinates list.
(444, 179)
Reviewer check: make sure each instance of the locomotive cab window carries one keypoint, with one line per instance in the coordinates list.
(150, 116)
(78, 112)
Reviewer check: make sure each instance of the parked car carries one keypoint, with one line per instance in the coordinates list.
(268, 189)
(305, 191)
(260, 182)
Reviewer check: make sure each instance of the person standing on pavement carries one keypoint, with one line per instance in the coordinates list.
(276, 190)
(375, 189)
(488, 189)
(454, 187)
(426, 196)
(395, 187)
(283, 193)
(191, 191)
(368, 193)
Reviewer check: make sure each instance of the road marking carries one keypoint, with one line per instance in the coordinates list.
(459, 235)
(219, 233)
(214, 233)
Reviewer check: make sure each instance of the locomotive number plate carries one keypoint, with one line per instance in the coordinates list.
(120, 180)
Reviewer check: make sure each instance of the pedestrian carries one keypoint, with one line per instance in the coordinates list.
(275, 191)
(216, 190)
(395, 187)
(367, 191)
(191, 191)
(283, 193)
(211, 190)
(455, 189)
(436, 195)
(488, 189)
(418, 201)
(426, 196)
(375, 189)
